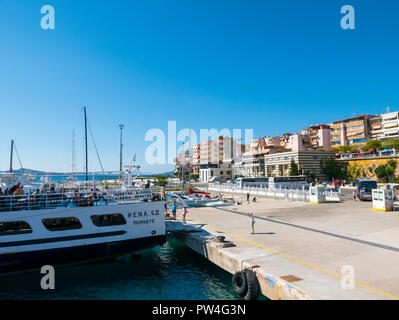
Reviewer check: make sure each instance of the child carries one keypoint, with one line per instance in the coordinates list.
(184, 214)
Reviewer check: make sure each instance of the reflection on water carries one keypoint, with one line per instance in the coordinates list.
(168, 272)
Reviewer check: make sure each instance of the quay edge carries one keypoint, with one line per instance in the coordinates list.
(203, 242)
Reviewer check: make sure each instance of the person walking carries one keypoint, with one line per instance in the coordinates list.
(174, 207)
(184, 214)
(252, 218)
(248, 197)
(166, 210)
(354, 195)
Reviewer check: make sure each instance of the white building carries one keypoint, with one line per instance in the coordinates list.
(390, 125)
(215, 172)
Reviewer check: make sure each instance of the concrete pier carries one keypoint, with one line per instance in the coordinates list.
(302, 250)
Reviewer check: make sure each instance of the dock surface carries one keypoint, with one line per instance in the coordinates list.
(301, 250)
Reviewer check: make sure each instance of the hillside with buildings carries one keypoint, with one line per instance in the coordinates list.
(226, 158)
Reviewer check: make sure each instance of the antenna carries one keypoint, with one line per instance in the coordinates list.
(387, 109)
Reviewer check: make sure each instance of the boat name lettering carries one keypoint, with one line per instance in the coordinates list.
(139, 214)
(144, 221)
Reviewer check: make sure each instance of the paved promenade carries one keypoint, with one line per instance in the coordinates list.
(308, 251)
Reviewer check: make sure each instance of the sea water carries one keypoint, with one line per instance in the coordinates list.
(172, 271)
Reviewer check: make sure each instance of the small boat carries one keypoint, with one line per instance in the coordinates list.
(195, 201)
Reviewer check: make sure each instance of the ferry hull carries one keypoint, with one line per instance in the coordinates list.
(11, 263)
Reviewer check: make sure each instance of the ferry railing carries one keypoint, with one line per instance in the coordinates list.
(52, 200)
(48, 201)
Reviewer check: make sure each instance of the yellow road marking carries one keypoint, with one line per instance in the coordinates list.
(297, 260)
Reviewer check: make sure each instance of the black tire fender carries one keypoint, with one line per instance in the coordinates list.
(239, 282)
(253, 286)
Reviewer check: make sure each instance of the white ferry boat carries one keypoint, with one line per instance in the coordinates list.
(58, 225)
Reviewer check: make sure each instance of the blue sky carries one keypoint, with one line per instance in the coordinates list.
(274, 66)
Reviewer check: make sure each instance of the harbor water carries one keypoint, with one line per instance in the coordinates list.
(169, 272)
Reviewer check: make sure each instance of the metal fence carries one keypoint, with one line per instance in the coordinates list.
(275, 193)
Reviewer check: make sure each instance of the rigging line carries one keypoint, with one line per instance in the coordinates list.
(133, 160)
(95, 146)
(19, 159)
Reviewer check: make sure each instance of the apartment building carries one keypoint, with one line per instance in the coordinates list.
(352, 131)
(320, 137)
(295, 142)
(390, 125)
(195, 158)
(284, 140)
(209, 152)
(216, 158)
(251, 163)
(375, 128)
(385, 126)
(314, 137)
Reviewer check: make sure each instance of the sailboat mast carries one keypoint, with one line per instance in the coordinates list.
(120, 154)
(87, 160)
(11, 154)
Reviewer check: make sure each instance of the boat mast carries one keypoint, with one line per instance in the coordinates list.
(11, 154)
(87, 160)
(121, 146)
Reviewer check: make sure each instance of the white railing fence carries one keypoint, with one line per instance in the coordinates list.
(276, 193)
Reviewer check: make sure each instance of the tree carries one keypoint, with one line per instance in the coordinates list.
(294, 168)
(161, 181)
(386, 172)
(374, 145)
(313, 173)
(390, 144)
(332, 169)
(345, 149)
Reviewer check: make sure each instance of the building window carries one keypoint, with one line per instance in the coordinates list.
(106, 220)
(14, 227)
(61, 224)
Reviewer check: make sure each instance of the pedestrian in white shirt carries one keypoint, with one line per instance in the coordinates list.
(252, 218)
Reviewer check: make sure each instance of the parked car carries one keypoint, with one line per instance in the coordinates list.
(365, 187)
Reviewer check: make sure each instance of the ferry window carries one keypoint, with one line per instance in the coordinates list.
(14, 227)
(61, 224)
(105, 220)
